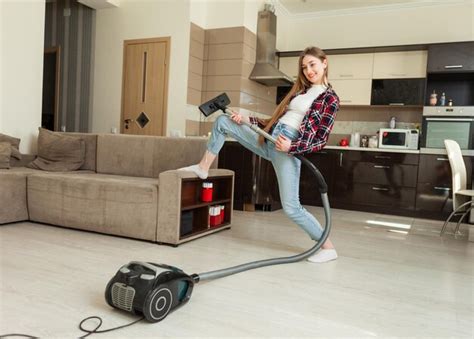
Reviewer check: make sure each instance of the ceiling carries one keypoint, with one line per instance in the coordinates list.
(305, 7)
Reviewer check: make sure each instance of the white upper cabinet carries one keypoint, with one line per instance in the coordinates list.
(289, 66)
(396, 65)
(353, 91)
(350, 66)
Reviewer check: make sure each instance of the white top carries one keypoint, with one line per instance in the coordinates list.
(300, 105)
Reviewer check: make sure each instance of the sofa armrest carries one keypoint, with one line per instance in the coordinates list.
(177, 174)
(169, 202)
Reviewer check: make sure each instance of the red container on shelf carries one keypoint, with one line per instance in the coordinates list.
(222, 214)
(214, 216)
(206, 192)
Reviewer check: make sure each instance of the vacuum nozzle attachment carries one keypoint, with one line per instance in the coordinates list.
(218, 103)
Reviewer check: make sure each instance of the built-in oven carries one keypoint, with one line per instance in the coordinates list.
(455, 123)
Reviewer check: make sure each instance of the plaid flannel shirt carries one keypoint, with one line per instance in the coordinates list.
(316, 125)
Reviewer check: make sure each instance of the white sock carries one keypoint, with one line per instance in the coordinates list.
(323, 255)
(196, 169)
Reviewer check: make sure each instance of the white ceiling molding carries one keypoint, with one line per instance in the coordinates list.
(308, 15)
(100, 4)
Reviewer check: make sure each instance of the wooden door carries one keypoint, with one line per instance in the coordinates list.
(145, 86)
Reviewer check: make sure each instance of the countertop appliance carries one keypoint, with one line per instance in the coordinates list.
(455, 122)
(398, 138)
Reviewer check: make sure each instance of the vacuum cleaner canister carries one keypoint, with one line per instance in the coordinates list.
(148, 289)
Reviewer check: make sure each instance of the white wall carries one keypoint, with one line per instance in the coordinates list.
(136, 20)
(210, 14)
(21, 69)
(441, 23)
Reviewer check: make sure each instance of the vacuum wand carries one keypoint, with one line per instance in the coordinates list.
(257, 129)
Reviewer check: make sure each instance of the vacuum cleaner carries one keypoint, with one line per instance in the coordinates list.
(154, 290)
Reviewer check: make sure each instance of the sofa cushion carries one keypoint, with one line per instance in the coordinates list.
(90, 141)
(109, 204)
(147, 156)
(58, 152)
(15, 142)
(5, 153)
(15, 145)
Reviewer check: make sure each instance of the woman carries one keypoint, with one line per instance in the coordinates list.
(301, 124)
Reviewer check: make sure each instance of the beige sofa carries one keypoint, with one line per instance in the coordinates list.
(116, 190)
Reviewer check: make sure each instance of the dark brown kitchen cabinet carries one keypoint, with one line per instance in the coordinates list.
(325, 161)
(376, 181)
(255, 182)
(451, 57)
(398, 92)
(434, 186)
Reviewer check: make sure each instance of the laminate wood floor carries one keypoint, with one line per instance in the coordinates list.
(395, 277)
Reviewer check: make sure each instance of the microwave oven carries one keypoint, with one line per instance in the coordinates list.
(398, 138)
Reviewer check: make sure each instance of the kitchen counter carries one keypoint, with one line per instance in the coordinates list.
(465, 152)
(367, 149)
(390, 150)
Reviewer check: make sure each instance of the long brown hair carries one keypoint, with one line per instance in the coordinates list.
(300, 84)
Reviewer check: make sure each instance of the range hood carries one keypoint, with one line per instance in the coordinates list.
(265, 70)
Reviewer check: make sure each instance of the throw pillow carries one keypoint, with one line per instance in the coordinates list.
(58, 152)
(5, 152)
(15, 142)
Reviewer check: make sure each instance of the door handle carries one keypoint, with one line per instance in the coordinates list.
(127, 121)
(379, 188)
(447, 189)
(379, 166)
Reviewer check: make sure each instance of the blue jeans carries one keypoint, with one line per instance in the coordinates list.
(287, 167)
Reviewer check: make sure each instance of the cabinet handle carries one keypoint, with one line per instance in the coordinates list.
(340, 159)
(380, 166)
(396, 104)
(398, 74)
(442, 159)
(346, 75)
(382, 157)
(379, 188)
(452, 66)
(447, 189)
(346, 100)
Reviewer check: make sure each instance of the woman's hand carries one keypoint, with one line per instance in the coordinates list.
(239, 118)
(283, 144)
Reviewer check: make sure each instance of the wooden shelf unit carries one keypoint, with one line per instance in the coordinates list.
(197, 210)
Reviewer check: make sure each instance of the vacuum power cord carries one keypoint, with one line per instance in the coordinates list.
(96, 330)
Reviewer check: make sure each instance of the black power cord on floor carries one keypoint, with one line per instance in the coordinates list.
(96, 330)
(89, 332)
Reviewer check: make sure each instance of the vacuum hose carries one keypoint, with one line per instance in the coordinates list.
(323, 188)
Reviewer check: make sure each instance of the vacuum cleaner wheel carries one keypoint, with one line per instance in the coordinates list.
(157, 304)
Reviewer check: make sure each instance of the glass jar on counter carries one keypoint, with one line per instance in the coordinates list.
(373, 141)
